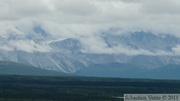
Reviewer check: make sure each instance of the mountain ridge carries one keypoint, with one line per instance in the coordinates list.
(12, 68)
(125, 70)
(71, 54)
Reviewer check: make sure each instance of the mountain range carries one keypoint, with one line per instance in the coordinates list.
(128, 54)
(11, 68)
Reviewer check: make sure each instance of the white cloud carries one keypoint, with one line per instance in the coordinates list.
(129, 51)
(157, 15)
(83, 18)
(6, 48)
(29, 46)
(94, 44)
(176, 50)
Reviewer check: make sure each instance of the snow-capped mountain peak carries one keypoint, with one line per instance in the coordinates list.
(41, 49)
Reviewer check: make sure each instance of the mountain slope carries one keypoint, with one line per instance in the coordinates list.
(142, 40)
(138, 49)
(12, 68)
(125, 70)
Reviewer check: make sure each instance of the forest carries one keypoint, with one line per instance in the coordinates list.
(72, 88)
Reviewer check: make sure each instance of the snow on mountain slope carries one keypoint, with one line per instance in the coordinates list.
(69, 54)
(143, 40)
(11, 68)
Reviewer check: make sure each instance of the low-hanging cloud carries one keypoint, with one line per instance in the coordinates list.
(29, 46)
(176, 50)
(82, 19)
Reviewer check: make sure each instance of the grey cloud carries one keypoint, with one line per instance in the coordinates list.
(129, 1)
(76, 7)
(161, 6)
(83, 18)
(20, 9)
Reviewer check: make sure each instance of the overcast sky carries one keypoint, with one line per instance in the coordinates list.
(69, 18)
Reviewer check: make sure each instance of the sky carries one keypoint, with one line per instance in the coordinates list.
(74, 18)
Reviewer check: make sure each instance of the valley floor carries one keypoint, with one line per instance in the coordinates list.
(38, 88)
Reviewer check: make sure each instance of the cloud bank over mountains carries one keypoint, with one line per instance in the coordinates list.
(83, 20)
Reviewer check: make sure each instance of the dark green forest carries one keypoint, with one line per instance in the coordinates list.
(49, 88)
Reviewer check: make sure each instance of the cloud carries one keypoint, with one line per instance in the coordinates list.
(156, 15)
(29, 46)
(121, 49)
(160, 7)
(76, 7)
(82, 19)
(95, 44)
(20, 9)
(176, 50)
(6, 48)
